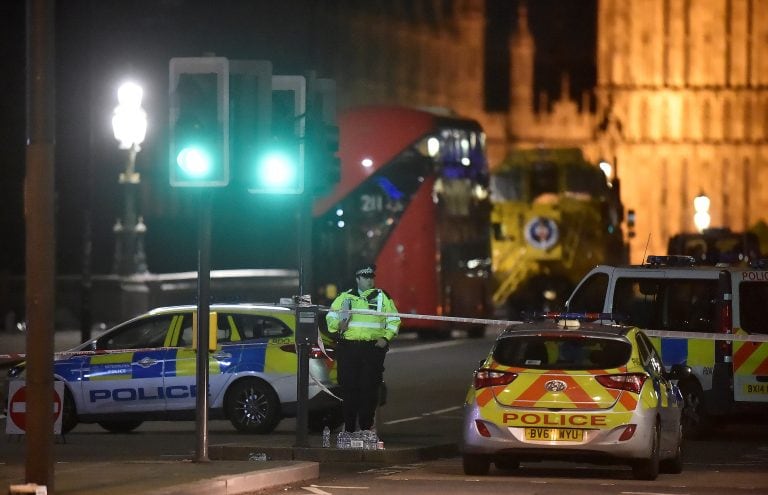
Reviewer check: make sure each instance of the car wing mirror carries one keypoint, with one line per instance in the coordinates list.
(679, 372)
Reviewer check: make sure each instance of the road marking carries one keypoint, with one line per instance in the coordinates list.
(652, 493)
(317, 491)
(404, 420)
(437, 345)
(441, 411)
(334, 487)
(430, 413)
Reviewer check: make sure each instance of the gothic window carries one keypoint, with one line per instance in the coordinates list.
(706, 121)
(645, 120)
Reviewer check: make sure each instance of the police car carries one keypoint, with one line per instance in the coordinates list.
(570, 390)
(144, 369)
(689, 310)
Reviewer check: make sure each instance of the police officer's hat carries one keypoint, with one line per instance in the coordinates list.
(366, 271)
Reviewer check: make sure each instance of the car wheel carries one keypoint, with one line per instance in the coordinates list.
(696, 422)
(120, 426)
(648, 469)
(68, 412)
(476, 465)
(674, 465)
(252, 406)
(507, 464)
(332, 418)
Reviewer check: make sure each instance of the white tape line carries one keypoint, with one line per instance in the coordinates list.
(649, 332)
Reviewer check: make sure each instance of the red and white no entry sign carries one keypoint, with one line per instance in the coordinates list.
(17, 408)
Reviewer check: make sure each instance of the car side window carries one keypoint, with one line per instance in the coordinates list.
(752, 300)
(636, 300)
(590, 295)
(691, 305)
(145, 333)
(260, 327)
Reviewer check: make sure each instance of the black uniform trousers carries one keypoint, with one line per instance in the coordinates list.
(360, 373)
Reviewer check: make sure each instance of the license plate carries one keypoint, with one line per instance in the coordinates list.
(554, 434)
(756, 388)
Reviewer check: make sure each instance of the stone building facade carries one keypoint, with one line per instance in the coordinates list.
(680, 106)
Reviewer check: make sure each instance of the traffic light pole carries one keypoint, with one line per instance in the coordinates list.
(203, 312)
(303, 338)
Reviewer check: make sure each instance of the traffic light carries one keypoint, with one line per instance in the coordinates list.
(322, 136)
(199, 122)
(277, 167)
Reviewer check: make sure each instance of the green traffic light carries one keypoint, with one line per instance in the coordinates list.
(277, 170)
(195, 162)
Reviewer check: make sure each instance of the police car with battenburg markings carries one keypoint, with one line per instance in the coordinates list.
(566, 389)
(144, 369)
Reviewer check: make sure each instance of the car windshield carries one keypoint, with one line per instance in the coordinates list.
(562, 352)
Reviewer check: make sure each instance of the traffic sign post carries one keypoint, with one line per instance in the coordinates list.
(16, 423)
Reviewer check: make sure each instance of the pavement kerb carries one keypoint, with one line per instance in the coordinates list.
(394, 454)
(247, 482)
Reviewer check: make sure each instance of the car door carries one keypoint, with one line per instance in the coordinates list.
(125, 372)
(669, 406)
(180, 370)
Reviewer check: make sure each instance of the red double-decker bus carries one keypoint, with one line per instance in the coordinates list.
(413, 198)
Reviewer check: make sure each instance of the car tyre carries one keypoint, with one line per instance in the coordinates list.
(252, 406)
(68, 412)
(120, 426)
(507, 464)
(696, 423)
(476, 465)
(648, 469)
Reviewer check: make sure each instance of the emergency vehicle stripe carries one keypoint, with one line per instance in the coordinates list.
(116, 366)
(628, 400)
(484, 396)
(701, 352)
(673, 351)
(579, 395)
(750, 358)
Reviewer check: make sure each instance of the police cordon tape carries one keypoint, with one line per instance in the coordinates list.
(740, 337)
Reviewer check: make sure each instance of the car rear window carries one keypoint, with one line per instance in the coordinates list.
(562, 352)
(752, 300)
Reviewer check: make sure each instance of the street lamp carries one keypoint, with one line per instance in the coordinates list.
(129, 123)
(701, 205)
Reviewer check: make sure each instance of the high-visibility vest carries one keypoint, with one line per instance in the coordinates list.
(364, 327)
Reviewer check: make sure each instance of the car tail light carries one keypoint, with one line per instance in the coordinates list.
(314, 353)
(628, 432)
(491, 378)
(632, 382)
(725, 309)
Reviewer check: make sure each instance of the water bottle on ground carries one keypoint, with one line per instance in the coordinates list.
(326, 437)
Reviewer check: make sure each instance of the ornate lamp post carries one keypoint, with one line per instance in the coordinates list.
(129, 123)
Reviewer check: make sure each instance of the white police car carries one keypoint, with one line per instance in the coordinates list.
(144, 369)
(573, 391)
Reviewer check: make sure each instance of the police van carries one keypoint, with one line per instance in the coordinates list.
(689, 311)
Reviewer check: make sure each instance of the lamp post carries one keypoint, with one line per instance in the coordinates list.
(701, 218)
(129, 123)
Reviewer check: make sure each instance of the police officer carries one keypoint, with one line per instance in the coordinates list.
(363, 342)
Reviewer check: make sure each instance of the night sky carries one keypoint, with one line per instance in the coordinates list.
(100, 42)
